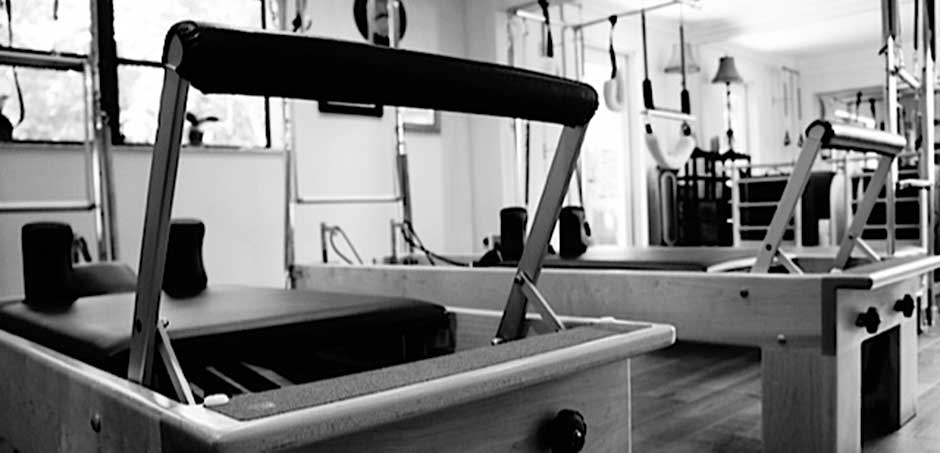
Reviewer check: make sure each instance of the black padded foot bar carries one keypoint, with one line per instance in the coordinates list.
(840, 136)
(216, 59)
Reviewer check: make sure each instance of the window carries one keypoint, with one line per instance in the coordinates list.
(37, 25)
(54, 99)
(53, 104)
(139, 30)
(53, 107)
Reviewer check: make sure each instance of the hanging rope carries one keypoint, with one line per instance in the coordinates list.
(686, 101)
(337, 230)
(8, 5)
(614, 95)
(549, 45)
(647, 85)
(676, 157)
(610, 48)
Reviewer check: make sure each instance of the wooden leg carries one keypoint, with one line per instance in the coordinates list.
(908, 370)
(815, 403)
(811, 401)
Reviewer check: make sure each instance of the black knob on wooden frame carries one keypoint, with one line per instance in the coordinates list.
(567, 432)
(905, 305)
(869, 320)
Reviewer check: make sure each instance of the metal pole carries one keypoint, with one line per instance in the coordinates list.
(401, 153)
(163, 169)
(849, 198)
(889, 8)
(102, 174)
(546, 215)
(929, 219)
(517, 123)
(290, 197)
(735, 206)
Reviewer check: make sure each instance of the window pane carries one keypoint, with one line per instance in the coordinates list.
(54, 104)
(140, 26)
(240, 118)
(35, 27)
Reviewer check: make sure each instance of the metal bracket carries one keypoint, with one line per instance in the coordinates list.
(512, 326)
(788, 263)
(180, 385)
(541, 305)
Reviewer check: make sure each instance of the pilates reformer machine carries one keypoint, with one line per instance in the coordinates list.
(575, 233)
(245, 369)
(814, 317)
(818, 317)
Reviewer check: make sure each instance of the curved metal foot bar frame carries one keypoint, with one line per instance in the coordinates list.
(509, 94)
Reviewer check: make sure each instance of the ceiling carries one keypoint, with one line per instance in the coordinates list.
(796, 28)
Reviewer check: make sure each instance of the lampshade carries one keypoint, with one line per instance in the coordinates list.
(675, 61)
(727, 72)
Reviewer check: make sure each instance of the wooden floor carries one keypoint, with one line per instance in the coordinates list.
(703, 398)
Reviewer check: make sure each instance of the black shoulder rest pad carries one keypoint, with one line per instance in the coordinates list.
(223, 60)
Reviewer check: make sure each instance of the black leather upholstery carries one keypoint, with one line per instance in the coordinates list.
(98, 329)
(218, 59)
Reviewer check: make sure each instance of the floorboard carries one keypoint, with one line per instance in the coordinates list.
(705, 398)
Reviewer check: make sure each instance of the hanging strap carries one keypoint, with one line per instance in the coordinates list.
(685, 99)
(610, 48)
(647, 85)
(8, 4)
(929, 7)
(549, 45)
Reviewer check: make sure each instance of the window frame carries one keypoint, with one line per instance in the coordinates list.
(103, 61)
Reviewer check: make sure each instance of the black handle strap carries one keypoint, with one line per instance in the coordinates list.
(549, 45)
(647, 84)
(684, 95)
(8, 4)
(610, 48)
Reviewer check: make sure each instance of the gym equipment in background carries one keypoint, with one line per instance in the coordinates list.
(833, 321)
(615, 96)
(676, 157)
(574, 231)
(577, 234)
(513, 222)
(184, 275)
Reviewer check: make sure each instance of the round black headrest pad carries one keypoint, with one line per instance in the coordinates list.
(184, 275)
(47, 265)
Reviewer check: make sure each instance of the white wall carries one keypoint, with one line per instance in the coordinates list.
(848, 69)
(237, 194)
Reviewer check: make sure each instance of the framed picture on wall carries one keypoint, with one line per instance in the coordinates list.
(348, 108)
(421, 120)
